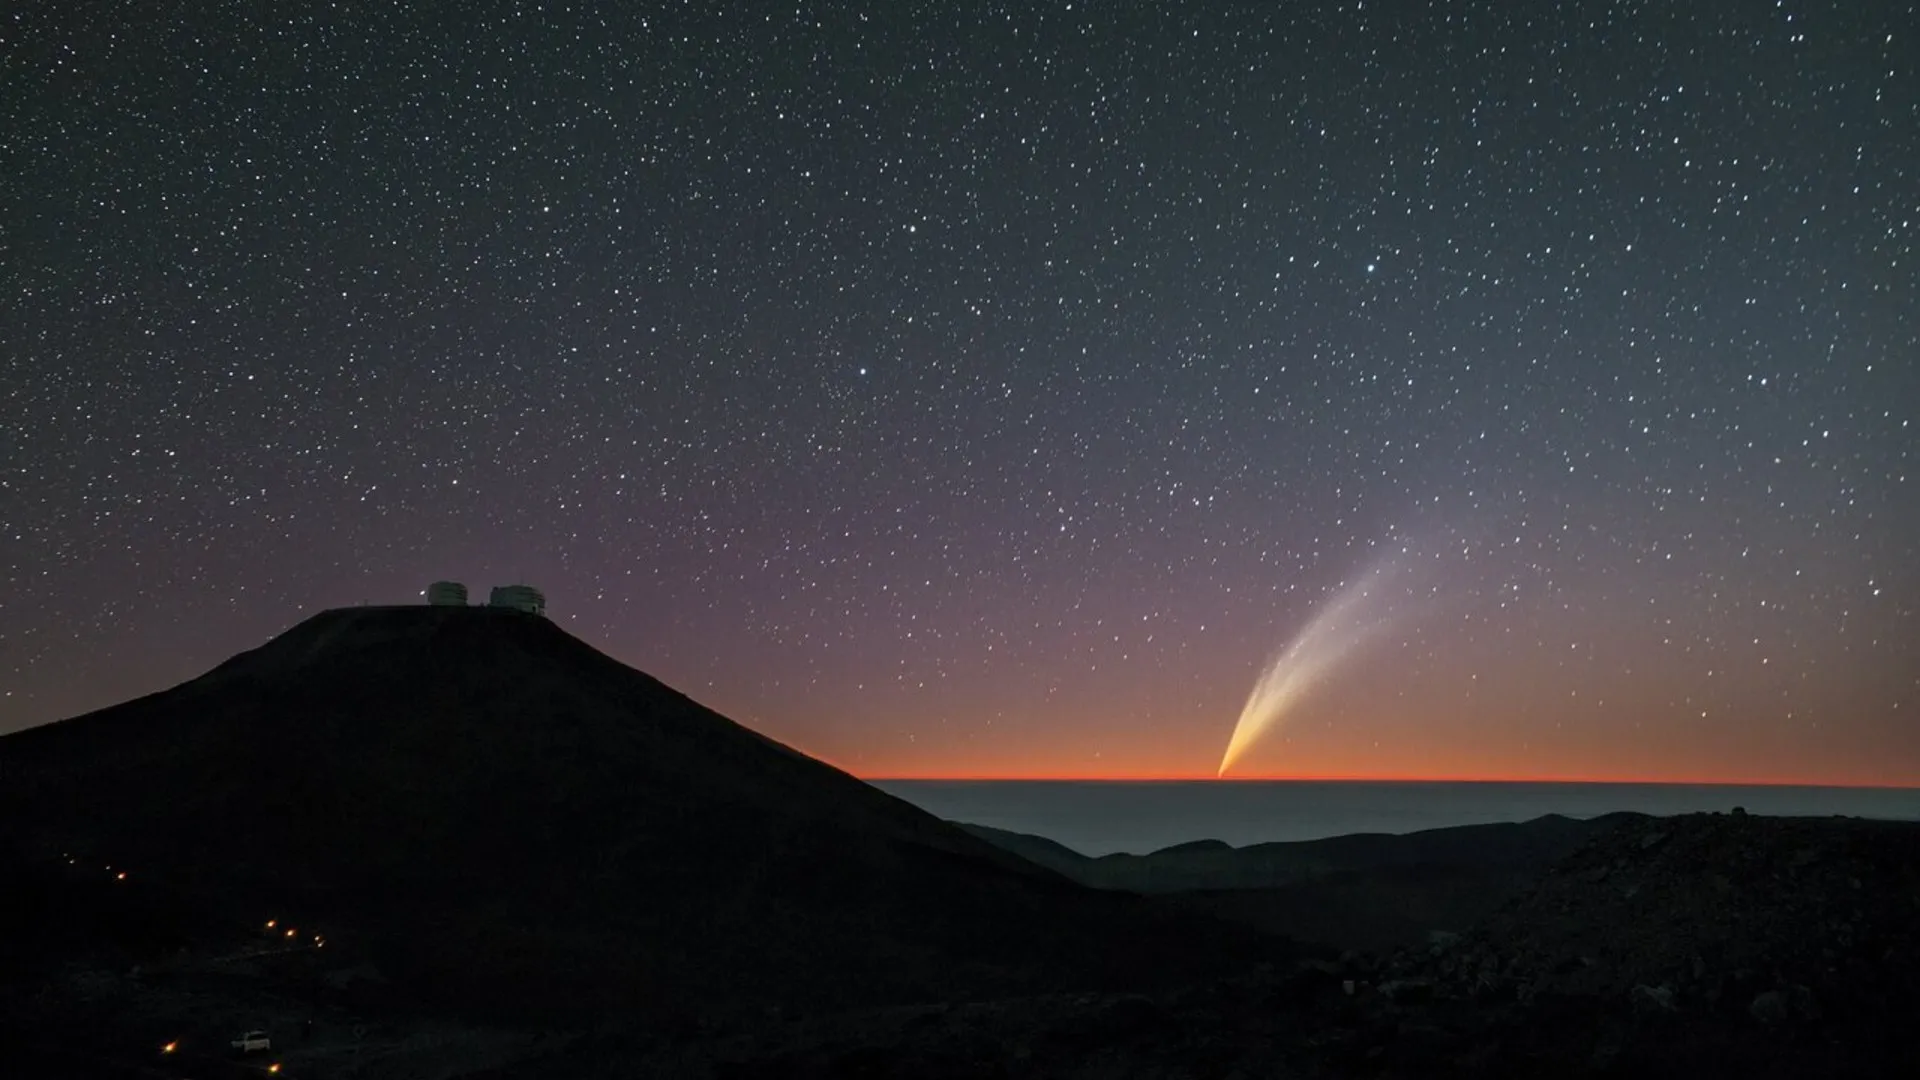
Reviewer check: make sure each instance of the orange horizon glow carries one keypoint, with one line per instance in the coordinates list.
(979, 768)
(1358, 741)
(1201, 777)
(1345, 778)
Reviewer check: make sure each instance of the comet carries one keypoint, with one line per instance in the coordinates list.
(1355, 618)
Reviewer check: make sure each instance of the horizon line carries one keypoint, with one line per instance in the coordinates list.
(1876, 785)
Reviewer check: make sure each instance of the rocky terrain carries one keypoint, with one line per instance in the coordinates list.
(1787, 918)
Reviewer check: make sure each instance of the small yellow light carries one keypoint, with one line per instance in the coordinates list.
(271, 923)
(274, 1068)
(170, 1048)
(289, 933)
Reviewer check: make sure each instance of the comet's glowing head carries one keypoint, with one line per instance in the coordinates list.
(1357, 615)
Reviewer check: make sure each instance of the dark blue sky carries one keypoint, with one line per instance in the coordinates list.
(993, 389)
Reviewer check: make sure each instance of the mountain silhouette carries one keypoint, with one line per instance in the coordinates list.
(507, 823)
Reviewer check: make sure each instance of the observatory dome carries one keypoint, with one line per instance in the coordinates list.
(520, 598)
(447, 594)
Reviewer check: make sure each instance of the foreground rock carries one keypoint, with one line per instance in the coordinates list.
(1777, 918)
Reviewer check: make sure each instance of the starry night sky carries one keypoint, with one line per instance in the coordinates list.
(993, 389)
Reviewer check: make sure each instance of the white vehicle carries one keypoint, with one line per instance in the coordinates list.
(253, 1041)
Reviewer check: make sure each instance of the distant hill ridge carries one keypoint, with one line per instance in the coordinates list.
(1360, 891)
(1214, 864)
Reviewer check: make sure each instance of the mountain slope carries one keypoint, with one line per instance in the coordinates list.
(513, 824)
